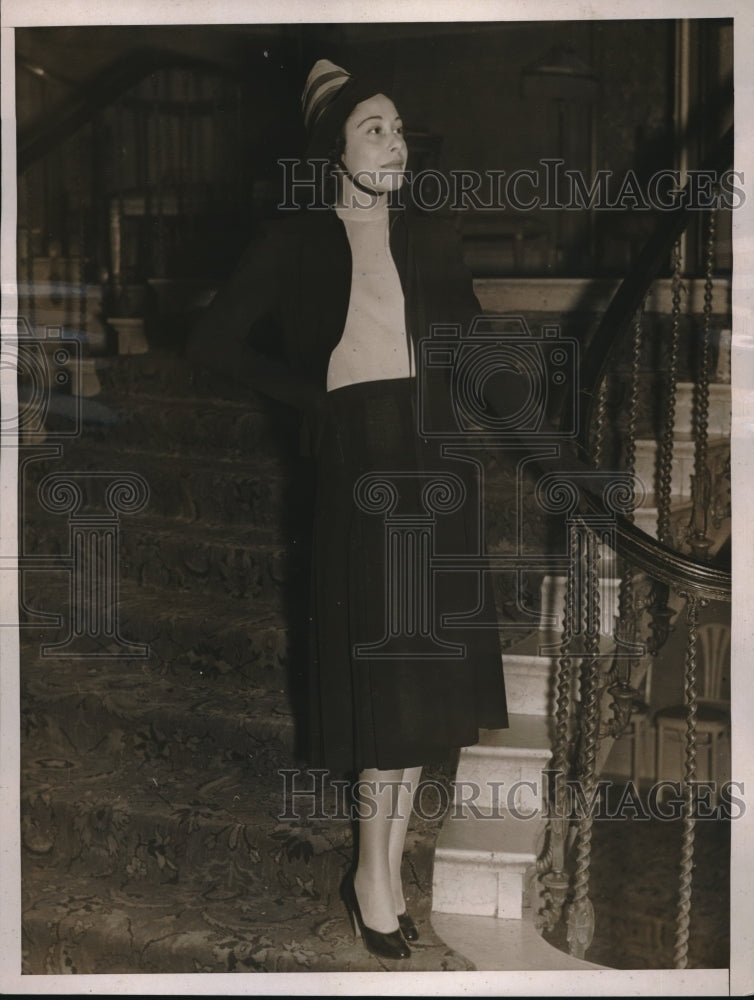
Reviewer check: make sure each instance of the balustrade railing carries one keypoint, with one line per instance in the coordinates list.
(674, 557)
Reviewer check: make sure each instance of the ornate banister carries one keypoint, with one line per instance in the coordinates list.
(655, 557)
(690, 576)
(631, 292)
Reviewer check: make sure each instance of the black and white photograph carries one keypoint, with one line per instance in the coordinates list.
(375, 523)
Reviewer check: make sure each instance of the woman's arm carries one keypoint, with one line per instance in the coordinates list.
(228, 337)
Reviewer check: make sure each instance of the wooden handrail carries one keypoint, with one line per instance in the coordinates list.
(658, 560)
(630, 294)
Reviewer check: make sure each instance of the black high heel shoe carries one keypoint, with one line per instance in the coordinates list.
(391, 945)
(407, 927)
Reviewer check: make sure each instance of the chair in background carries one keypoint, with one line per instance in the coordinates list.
(636, 732)
(713, 714)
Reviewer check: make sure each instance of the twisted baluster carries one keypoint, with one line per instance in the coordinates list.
(633, 413)
(665, 471)
(627, 611)
(687, 843)
(697, 534)
(551, 867)
(600, 424)
(581, 913)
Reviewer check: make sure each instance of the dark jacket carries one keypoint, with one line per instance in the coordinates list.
(275, 323)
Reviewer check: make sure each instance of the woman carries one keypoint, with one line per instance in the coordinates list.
(351, 290)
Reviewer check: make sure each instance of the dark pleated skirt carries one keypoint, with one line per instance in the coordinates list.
(394, 683)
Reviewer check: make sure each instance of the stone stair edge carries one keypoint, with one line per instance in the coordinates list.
(493, 838)
(484, 935)
(526, 735)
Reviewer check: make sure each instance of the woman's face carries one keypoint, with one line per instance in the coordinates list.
(375, 150)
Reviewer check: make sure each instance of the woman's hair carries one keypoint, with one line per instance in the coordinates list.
(338, 147)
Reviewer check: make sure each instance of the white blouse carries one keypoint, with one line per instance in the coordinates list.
(374, 343)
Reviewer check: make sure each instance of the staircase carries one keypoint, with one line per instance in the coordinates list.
(166, 823)
(488, 856)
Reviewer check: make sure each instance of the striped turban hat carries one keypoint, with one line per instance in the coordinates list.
(329, 97)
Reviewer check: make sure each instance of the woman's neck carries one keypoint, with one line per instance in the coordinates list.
(358, 203)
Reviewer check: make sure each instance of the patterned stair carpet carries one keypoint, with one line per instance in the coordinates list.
(159, 835)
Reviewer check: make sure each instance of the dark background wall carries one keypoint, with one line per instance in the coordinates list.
(465, 94)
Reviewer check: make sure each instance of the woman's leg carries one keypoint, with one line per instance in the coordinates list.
(376, 795)
(398, 827)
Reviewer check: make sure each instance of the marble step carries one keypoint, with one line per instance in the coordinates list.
(530, 669)
(682, 466)
(505, 944)
(504, 769)
(494, 834)
(553, 592)
(529, 678)
(483, 863)
(719, 408)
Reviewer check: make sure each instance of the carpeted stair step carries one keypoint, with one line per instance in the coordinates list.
(182, 632)
(122, 707)
(243, 563)
(98, 809)
(176, 850)
(210, 923)
(191, 427)
(223, 491)
(189, 885)
(168, 376)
